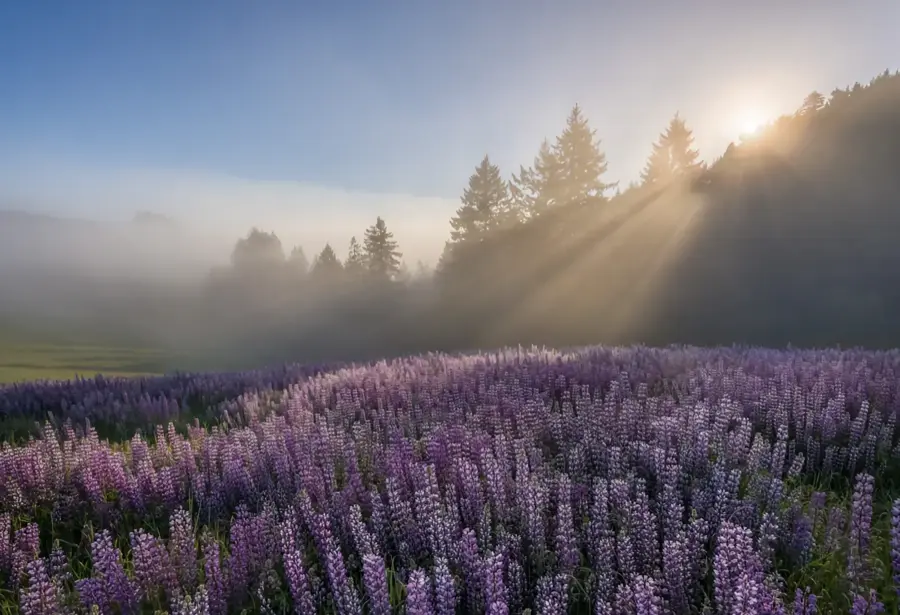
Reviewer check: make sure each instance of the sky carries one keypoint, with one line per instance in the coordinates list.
(313, 118)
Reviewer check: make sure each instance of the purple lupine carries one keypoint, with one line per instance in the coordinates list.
(494, 588)
(860, 528)
(552, 595)
(115, 586)
(5, 544)
(294, 569)
(152, 568)
(867, 605)
(375, 583)
(43, 595)
(196, 604)
(734, 553)
(418, 594)
(802, 540)
(214, 578)
(444, 588)
(895, 544)
(566, 544)
(345, 595)
(26, 547)
(677, 571)
(182, 547)
(471, 566)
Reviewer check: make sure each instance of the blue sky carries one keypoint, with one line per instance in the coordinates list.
(106, 105)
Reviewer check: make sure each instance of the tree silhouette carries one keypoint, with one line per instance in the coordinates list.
(483, 203)
(258, 250)
(812, 103)
(672, 154)
(536, 188)
(680, 140)
(658, 169)
(580, 163)
(327, 266)
(355, 265)
(381, 251)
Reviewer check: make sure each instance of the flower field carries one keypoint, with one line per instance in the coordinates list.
(603, 480)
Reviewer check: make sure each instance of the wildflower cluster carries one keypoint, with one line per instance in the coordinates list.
(603, 480)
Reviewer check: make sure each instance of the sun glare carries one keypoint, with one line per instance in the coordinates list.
(749, 123)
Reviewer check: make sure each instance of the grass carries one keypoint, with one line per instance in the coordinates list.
(46, 361)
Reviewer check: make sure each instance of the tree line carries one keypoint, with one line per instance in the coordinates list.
(569, 169)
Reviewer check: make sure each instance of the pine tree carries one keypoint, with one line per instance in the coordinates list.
(578, 161)
(812, 103)
(672, 155)
(483, 203)
(381, 251)
(680, 140)
(537, 188)
(356, 260)
(327, 265)
(658, 169)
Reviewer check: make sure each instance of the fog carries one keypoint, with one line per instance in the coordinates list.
(788, 238)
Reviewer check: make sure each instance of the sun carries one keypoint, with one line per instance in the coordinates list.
(749, 123)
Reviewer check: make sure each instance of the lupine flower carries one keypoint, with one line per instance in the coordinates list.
(112, 586)
(418, 594)
(214, 578)
(294, 569)
(375, 582)
(43, 595)
(867, 605)
(860, 527)
(553, 595)
(152, 567)
(895, 544)
(444, 588)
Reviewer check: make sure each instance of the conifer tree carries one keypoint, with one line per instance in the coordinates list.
(381, 251)
(356, 260)
(680, 140)
(579, 161)
(658, 169)
(537, 188)
(672, 154)
(327, 265)
(813, 102)
(483, 204)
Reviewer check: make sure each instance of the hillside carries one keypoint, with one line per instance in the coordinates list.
(791, 237)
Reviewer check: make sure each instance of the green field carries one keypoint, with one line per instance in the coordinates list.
(21, 361)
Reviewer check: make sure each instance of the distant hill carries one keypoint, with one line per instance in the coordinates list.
(791, 237)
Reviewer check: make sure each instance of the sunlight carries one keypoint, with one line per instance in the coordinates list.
(749, 123)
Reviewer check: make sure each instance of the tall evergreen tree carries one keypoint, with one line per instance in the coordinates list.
(536, 188)
(672, 155)
(580, 163)
(483, 204)
(658, 169)
(381, 251)
(681, 139)
(327, 265)
(813, 102)
(355, 265)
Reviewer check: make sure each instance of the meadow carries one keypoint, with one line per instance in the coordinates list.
(22, 361)
(601, 480)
